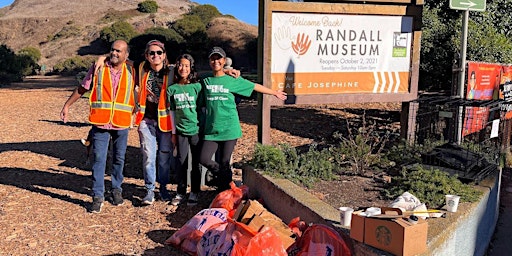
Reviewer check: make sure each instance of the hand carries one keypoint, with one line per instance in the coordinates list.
(64, 114)
(281, 95)
(99, 63)
(233, 72)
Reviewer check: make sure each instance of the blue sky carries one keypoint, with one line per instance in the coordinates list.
(244, 10)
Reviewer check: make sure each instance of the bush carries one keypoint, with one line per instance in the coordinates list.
(205, 12)
(120, 30)
(148, 7)
(189, 25)
(285, 162)
(73, 65)
(430, 186)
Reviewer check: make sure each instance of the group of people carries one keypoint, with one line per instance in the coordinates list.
(175, 111)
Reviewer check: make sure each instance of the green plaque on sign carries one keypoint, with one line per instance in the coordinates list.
(470, 5)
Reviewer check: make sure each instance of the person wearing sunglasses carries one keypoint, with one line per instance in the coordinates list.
(155, 121)
(112, 101)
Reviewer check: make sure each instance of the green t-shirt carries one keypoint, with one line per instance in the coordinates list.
(222, 121)
(183, 100)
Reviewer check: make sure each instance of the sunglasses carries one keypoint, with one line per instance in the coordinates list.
(155, 52)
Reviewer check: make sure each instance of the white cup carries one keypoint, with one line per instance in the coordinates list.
(346, 215)
(452, 202)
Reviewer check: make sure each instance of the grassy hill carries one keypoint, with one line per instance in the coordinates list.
(61, 29)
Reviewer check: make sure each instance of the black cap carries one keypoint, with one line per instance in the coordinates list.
(217, 50)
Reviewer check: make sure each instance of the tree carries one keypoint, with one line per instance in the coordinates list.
(32, 52)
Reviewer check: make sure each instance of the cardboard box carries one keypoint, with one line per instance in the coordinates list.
(256, 216)
(397, 236)
(394, 235)
(357, 226)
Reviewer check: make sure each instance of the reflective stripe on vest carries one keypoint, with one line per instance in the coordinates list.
(105, 108)
(165, 122)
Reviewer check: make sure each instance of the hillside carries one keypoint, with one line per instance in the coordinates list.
(37, 22)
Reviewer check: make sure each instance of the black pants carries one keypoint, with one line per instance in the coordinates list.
(222, 168)
(184, 144)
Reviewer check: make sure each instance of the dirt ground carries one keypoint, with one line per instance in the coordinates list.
(45, 184)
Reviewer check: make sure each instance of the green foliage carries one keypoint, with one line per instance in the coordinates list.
(189, 25)
(430, 186)
(120, 30)
(489, 39)
(172, 40)
(12, 66)
(205, 12)
(73, 65)
(360, 152)
(148, 6)
(285, 162)
(32, 52)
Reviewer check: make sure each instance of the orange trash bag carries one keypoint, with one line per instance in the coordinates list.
(317, 240)
(188, 236)
(230, 199)
(266, 243)
(230, 238)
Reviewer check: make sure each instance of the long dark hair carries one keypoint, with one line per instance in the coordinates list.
(192, 77)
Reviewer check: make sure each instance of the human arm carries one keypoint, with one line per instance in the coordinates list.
(262, 89)
(77, 93)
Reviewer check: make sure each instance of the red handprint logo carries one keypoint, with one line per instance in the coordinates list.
(301, 45)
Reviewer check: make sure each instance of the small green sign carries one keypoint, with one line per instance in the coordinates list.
(470, 5)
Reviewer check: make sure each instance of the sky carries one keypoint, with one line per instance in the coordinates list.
(244, 10)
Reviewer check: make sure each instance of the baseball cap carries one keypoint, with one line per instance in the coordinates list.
(217, 50)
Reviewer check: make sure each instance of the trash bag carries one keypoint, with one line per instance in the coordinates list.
(230, 199)
(266, 243)
(188, 236)
(319, 239)
(230, 238)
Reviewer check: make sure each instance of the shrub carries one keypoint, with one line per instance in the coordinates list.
(189, 25)
(359, 152)
(73, 65)
(430, 186)
(148, 6)
(285, 162)
(205, 12)
(120, 30)
(32, 52)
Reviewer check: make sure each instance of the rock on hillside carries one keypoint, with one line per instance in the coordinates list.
(36, 22)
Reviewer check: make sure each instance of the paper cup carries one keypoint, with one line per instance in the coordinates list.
(346, 215)
(452, 202)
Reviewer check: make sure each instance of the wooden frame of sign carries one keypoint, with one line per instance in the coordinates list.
(355, 11)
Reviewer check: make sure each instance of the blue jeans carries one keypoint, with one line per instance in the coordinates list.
(100, 145)
(153, 141)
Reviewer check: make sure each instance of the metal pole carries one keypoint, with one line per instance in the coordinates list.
(462, 73)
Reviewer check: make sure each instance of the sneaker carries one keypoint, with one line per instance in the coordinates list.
(117, 197)
(211, 179)
(149, 198)
(97, 203)
(164, 195)
(192, 199)
(177, 199)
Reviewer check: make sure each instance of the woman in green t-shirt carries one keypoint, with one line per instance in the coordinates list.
(183, 97)
(222, 125)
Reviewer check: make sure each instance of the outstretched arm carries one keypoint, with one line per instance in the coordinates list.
(77, 93)
(278, 94)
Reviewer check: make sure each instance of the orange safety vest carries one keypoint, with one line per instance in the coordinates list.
(107, 106)
(165, 120)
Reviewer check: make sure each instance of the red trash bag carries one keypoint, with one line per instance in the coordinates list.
(230, 199)
(188, 236)
(319, 239)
